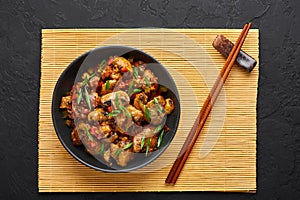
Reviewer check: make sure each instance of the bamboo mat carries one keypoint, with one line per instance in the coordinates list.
(228, 139)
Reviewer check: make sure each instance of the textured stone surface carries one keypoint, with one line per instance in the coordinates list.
(278, 158)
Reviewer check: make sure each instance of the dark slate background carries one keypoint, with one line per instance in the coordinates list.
(278, 109)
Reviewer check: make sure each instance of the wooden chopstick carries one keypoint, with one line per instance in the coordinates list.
(206, 108)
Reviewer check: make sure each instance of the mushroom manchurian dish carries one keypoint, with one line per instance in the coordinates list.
(117, 109)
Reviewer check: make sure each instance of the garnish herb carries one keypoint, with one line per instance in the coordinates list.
(147, 82)
(114, 113)
(118, 152)
(136, 90)
(92, 75)
(117, 100)
(87, 98)
(102, 65)
(160, 138)
(84, 82)
(130, 87)
(127, 113)
(79, 96)
(147, 112)
(159, 109)
(107, 85)
(135, 72)
(102, 149)
(142, 141)
(88, 134)
(148, 146)
(127, 146)
(158, 128)
(158, 106)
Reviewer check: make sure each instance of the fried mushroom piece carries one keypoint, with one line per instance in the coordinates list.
(169, 107)
(137, 141)
(108, 86)
(66, 102)
(147, 133)
(75, 138)
(140, 100)
(122, 96)
(153, 143)
(123, 157)
(121, 64)
(160, 100)
(106, 130)
(107, 71)
(97, 115)
(136, 114)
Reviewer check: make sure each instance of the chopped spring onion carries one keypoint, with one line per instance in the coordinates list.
(127, 113)
(130, 87)
(158, 128)
(92, 75)
(85, 81)
(79, 96)
(148, 146)
(127, 146)
(117, 100)
(87, 98)
(135, 72)
(142, 141)
(107, 85)
(102, 65)
(102, 149)
(158, 105)
(88, 134)
(159, 109)
(147, 112)
(118, 152)
(160, 138)
(114, 113)
(147, 82)
(136, 90)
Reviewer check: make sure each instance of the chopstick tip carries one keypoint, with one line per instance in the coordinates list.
(169, 183)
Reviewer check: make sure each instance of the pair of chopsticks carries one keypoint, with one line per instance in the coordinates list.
(206, 108)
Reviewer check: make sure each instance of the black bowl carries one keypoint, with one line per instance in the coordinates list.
(65, 83)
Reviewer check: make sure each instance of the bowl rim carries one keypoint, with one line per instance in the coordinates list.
(59, 80)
